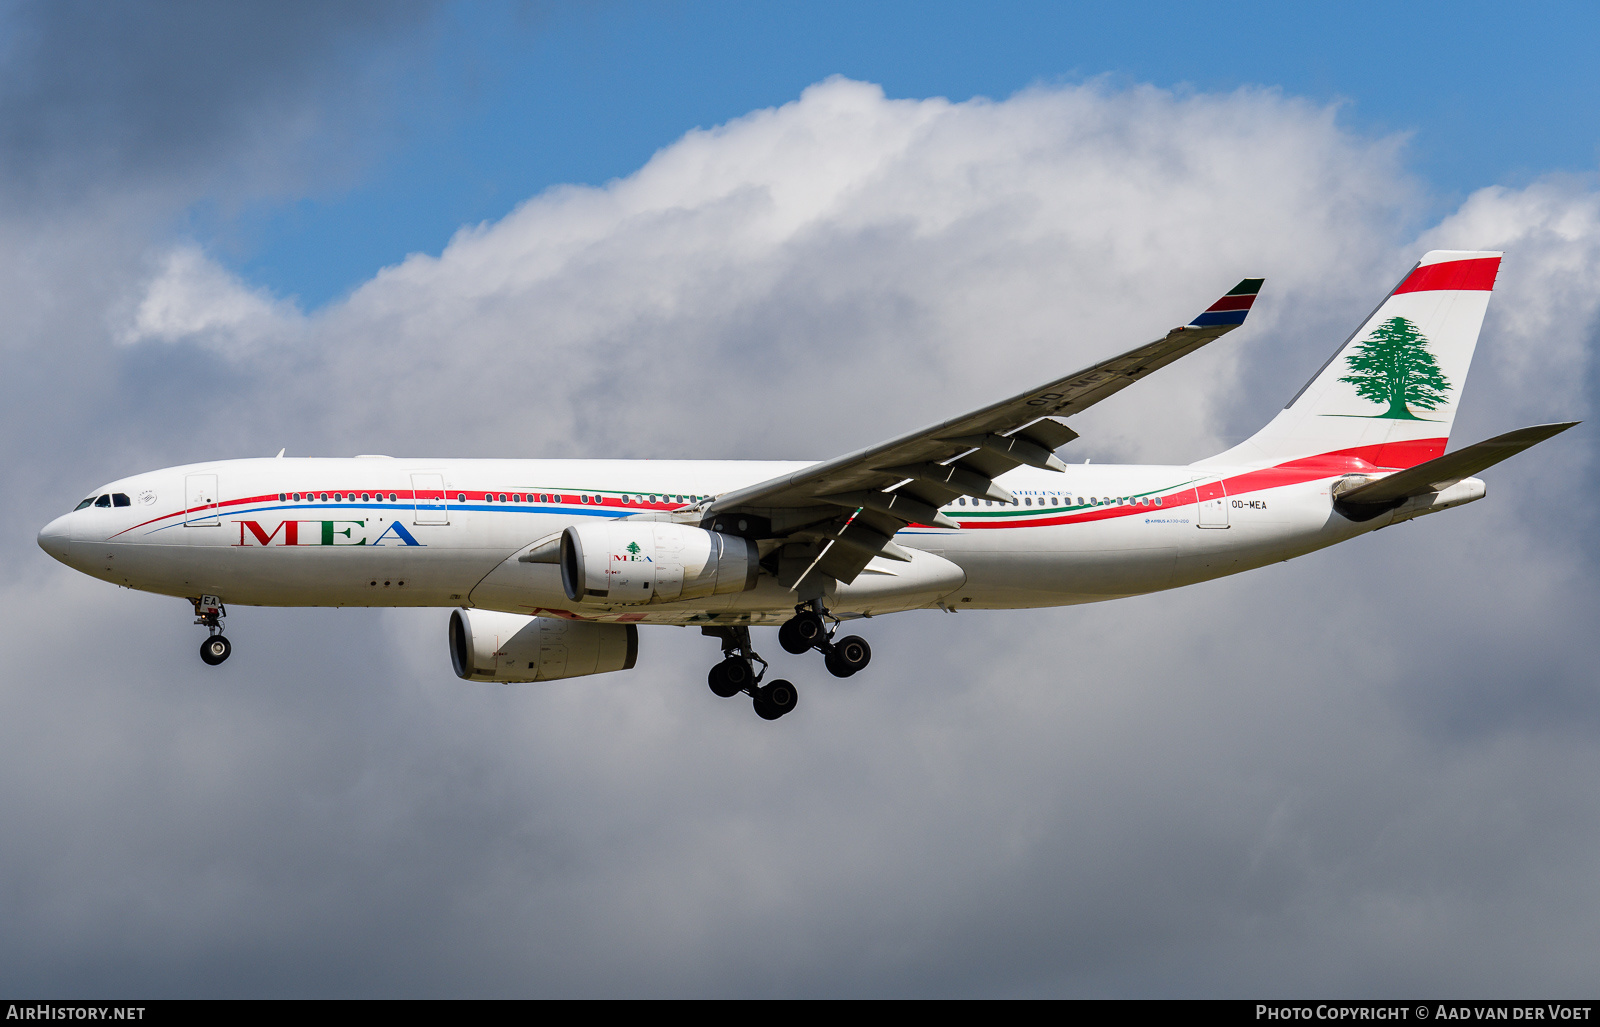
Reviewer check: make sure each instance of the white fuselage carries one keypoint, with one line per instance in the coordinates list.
(373, 531)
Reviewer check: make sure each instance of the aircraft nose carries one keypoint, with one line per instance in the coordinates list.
(53, 538)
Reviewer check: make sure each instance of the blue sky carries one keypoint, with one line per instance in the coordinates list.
(502, 101)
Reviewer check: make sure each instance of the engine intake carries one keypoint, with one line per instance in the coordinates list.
(489, 646)
(636, 562)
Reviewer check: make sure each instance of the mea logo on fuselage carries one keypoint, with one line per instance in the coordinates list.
(322, 533)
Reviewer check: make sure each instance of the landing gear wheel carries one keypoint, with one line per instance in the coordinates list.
(730, 677)
(850, 654)
(215, 649)
(802, 632)
(775, 699)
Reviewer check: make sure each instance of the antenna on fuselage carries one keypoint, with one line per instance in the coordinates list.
(281, 452)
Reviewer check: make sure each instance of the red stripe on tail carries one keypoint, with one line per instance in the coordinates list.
(1476, 275)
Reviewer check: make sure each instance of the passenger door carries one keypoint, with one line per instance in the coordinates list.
(200, 501)
(430, 504)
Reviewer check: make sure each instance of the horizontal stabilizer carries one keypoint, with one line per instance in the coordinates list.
(1441, 473)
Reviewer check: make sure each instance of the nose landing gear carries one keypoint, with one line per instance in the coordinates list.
(209, 611)
(215, 649)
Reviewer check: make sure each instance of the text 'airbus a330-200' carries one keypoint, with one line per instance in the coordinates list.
(550, 566)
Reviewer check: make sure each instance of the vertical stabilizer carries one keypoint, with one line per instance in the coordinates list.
(1388, 396)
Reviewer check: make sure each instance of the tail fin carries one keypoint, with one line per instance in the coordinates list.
(1388, 396)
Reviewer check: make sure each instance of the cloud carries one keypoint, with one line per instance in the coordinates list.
(161, 97)
(1366, 771)
(845, 246)
(194, 299)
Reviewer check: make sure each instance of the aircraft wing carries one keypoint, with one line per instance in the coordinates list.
(1441, 473)
(848, 509)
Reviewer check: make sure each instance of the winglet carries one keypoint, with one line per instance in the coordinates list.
(1230, 309)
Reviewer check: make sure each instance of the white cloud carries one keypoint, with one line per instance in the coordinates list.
(897, 259)
(1366, 771)
(193, 299)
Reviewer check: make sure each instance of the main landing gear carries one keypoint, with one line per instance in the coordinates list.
(736, 673)
(805, 631)
(209, 611)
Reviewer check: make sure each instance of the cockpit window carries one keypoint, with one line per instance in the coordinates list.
(86, 502)
(103, 501)
(120, 499)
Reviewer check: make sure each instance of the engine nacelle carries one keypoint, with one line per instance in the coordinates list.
(635, 562)
(490, 646)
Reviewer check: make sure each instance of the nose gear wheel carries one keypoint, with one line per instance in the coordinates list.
(209, 611)
(215, 649)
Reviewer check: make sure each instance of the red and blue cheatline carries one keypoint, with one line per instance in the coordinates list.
(1230, 309)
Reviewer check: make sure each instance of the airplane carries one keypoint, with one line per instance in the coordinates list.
(550, 566)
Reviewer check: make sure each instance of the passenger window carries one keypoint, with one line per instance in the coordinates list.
(392, 498)
(103, 501)
(461, 497)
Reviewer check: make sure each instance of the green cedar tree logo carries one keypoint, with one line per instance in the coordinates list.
(1394, 367)
(633, 547)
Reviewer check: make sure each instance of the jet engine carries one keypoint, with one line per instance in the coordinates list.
(490, 646)
(636, 562)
